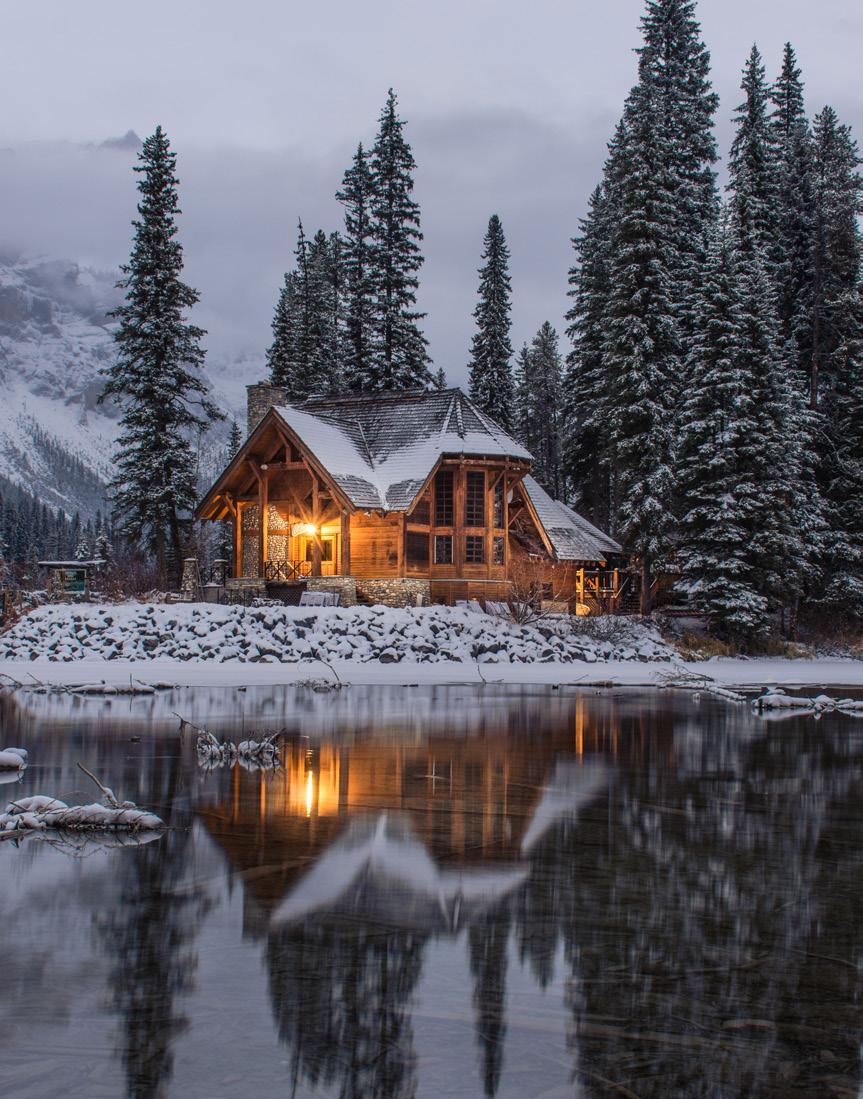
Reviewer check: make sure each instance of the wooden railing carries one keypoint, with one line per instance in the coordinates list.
(286, 571)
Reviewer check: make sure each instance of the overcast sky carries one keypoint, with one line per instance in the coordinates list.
(509, 106)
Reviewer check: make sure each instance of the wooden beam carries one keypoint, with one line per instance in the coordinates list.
(238, 542)
(263, 521)
(458, 519)
(345, 564)
(317, 545)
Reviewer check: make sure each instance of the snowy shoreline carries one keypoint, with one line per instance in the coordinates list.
(141, 647)
(166, 674)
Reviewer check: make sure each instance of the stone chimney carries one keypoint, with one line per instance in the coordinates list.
(260, 399)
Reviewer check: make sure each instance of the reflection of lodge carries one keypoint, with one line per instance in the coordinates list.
(470, 802)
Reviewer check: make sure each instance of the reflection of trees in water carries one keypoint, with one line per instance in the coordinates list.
(149, 935)
(695, 929)
(488, 938)
(341, 998)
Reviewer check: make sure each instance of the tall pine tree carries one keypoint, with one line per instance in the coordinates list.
(491, 381)
(539, 378)
(400, 360)
(156, 379)
(358, 267)
(794, 212)
(642, 347)
(753, 164)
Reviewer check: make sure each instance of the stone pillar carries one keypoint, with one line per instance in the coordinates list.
(260, 398)
(220, 571)
(191, 585)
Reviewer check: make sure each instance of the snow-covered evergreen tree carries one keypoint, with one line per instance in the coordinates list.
(539, 393)
(795, 211)
(491, 381)
(641, 348)
(749, 523)
(678, 63)
(235, 440)
(283, 353)
(156, 379)
(837, 252)
(84, 549)
(718, 491)
(400, 360)
(586, 416)
(306, 353)
(752, 166)
(358, 266)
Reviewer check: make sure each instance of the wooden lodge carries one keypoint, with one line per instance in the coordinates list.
(400, 499)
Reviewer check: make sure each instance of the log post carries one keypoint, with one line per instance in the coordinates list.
(317, 545)
(346, 544)
(263, 521)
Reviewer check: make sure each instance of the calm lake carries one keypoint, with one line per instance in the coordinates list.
(441, 892)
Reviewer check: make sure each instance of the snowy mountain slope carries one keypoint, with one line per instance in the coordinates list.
(55, 338)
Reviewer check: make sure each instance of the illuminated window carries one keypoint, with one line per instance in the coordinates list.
(474, 501)
(443, 549)
(474, 549)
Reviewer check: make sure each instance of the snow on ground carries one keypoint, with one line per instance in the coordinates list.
(125, 646)
(280, 635)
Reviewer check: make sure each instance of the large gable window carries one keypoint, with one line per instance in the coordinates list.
(474, 501)
(443, 498)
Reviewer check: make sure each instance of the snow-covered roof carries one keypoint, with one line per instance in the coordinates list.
(381, 449)
(572, 537)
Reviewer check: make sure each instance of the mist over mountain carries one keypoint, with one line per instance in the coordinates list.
(56, 440)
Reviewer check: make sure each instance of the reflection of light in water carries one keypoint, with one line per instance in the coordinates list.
(310, 790)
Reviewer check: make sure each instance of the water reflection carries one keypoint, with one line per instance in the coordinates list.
(526, 893)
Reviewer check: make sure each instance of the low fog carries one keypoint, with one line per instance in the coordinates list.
(509, 108)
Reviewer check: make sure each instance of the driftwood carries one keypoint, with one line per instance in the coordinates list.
(40, 814)
(253, 755)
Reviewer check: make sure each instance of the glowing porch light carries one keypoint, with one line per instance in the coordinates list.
(310, 793)
(309, 530)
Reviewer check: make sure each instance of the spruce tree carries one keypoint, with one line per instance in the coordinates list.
(718, 491)
(540, 371)
(400, 360)
(283, 352)
(837, 253)
(156, 379)
(678, 63)
(235, 440)
(491, 381)
(586, 451)
(795, 211)
(305, 356)
(753, 169)
(358, 266)
(641, 346)
(786, 530)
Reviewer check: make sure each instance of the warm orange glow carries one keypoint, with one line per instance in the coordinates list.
(310, 793)
(308, 530)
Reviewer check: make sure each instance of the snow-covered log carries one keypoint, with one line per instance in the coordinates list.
(777, 699)
(13, 759)
(40, 813)
(253, 755)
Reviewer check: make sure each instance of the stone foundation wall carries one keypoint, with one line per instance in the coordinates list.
(346, 586)
(397, 592)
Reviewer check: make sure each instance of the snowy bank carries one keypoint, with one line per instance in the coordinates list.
(106, 650)
(295, 635)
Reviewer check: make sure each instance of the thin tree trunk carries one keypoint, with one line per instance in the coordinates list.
(646, 599)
